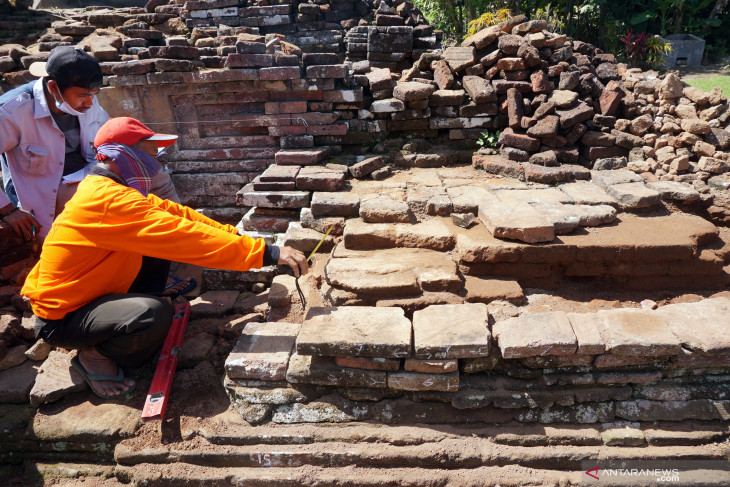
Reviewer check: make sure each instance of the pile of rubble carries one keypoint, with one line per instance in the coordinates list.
(555, 100)
(366, 363)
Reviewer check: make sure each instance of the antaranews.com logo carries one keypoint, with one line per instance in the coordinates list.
(656, 473)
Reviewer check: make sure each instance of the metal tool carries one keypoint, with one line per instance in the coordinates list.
(290, 271)
(156, 403)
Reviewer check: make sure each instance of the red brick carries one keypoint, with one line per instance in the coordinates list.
(174, 52)
(511, 64)
(315, 119)
(520, 141)
(609, 101)
(287, 130)
(336, 129)
(343, 96)
(327, 71)
(297, 95)
(540, 83)
(279, 73)
(368, 363)
(249, 60)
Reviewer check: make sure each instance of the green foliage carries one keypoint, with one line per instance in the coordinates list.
(555, 23)
(489, 139)
(656, 52)
(486, 20)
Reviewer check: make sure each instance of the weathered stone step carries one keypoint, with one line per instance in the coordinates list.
(229, 428)
(457, 453)
(661, 252)
(176, 475)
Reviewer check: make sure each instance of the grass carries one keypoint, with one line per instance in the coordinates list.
(707, 84)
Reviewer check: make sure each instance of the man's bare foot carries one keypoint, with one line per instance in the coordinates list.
(176, 288)
(97, 364)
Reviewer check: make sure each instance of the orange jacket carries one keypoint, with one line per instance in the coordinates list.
(96, 244)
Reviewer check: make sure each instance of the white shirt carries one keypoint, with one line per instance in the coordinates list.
(36, 151)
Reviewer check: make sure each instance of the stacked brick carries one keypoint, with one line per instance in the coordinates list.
(16, 331)
(359, 363)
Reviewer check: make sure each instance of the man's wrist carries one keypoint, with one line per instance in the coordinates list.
(4, 212)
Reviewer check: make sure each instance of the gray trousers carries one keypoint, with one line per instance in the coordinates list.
(126, 328)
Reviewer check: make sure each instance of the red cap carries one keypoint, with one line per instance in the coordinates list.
(129, 131)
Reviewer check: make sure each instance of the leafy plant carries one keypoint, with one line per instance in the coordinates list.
(555, 23)
(656, 50)
(486, 20)
(489, 139)
(643, 51)
(635, 45)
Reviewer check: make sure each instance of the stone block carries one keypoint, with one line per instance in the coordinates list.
(634, 195)
(302, 157)
(247, 196)
(369, 363)
(517, 221)
(637, 333)
(587, 328)
(263, 351)
(413, 381)
(459, 58)
(17, 382)
(328, 71)
(535, 335)
(382, 209)
(486, 290)
(317, 178)
(213, 303)
(701, 327)
(428, 366)
(451, 331)
(412, 91)
(279, 73)
(56, 379)
(367, 166)
(308, 369)
(355, 331)
(335, 204)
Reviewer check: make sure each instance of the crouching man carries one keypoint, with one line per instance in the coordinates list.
(85, 290)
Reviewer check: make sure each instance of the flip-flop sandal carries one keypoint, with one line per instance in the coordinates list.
(76, 364)
(176, 280)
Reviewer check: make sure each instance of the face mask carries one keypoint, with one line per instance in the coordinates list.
(65, 107)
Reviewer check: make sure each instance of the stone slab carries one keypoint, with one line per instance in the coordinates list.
(382, 209)
(14, 357)
(247, 196)
(263, 351)
(317, 178)
(547, 195)
(389, 273)
(431, 234)
(451, 331)
(56, 379)
(637, 333)
(587, 193)
(335, 204)
(413, 381)
(486, 290)
(702, 327)
(95, 421)
(604, 179)
(308, 369)
(535, 335)
(16, 382)
(360, 331)
(634, 195)
(674, 191)
(587, 329)
(516, 221)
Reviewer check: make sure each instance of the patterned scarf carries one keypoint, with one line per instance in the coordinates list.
(137, 168)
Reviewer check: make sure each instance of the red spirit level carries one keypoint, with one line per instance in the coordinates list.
(154, 406)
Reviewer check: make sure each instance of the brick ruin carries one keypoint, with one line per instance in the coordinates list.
(298, 117)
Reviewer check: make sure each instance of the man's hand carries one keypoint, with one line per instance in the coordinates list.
(294, 259)
(23, 223)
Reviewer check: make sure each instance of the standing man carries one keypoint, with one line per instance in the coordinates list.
(47, 129)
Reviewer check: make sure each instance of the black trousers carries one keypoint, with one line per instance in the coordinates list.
(126, 328)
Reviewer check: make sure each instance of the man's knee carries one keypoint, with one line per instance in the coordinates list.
(140, 336)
